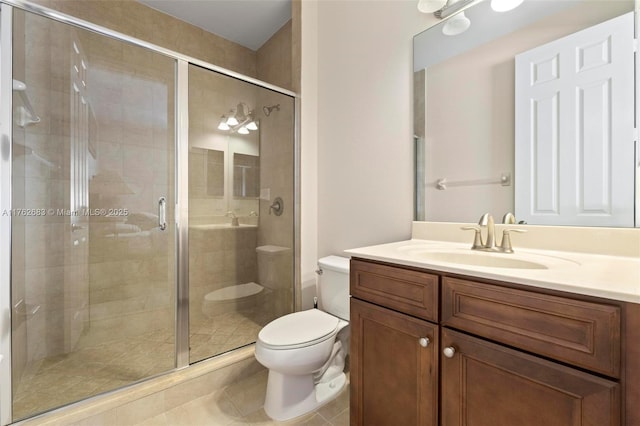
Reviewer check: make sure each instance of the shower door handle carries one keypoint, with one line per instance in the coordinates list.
(162, 213)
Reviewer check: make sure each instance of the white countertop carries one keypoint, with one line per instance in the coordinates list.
(610, 277)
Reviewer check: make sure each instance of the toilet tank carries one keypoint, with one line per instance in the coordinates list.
(333, 286)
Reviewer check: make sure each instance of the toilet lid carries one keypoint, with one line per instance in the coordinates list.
(298, 328)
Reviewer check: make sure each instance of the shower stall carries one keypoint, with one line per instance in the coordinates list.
(138, 187)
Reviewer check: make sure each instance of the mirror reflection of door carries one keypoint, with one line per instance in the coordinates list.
(465, 125)
(575, 128)
(246, 175)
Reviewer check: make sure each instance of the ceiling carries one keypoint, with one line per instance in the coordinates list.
(246, 22)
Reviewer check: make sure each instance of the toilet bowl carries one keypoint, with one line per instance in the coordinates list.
(305, 351)
(234, 298)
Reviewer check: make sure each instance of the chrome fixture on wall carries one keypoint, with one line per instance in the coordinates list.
(459, 23)
(277, 207)
(240, 120)
(267, 109)
(443, 8)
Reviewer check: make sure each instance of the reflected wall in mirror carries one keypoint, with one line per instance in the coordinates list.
(215, 173)
(551, 139)
(206, 172)
(214, 148)
(246, 175)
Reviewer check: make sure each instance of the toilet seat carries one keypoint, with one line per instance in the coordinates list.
(298, 330)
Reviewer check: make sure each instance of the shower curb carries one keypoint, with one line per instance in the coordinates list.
(156, 395)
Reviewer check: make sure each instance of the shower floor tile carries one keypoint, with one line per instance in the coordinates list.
(91, 370)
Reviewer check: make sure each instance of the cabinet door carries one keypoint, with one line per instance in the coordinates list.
(484, 384)
(394, 379)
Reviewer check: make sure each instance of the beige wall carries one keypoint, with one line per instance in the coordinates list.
(278, 46)
(357, 117)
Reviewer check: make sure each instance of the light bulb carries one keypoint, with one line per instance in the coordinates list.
(243, 131)
(223, 124)
(456, 25)
(505, 5)
(232, 121)
(252, 126)
(429, 6)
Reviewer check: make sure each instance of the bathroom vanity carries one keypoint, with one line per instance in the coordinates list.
(433, 345)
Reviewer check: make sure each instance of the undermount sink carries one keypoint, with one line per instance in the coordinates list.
(488, 259)
(492, 260)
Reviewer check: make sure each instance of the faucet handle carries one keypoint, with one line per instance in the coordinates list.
(477, 239)
(505, 245)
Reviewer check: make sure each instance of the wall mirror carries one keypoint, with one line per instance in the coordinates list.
(246, 176)
(528, 111)
(224, 175)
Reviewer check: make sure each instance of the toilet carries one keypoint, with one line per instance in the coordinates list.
(305, 351)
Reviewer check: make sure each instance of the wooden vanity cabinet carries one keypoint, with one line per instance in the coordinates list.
(394, 378)
(485, 384)
(394, 356)
(507, 354)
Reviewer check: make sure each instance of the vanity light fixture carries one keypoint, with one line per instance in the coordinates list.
(232, 120)
(505, 5)
(456, 25)
(223, 123)
(430, 6)
(452, 7)
(252, 126)
(240, 120)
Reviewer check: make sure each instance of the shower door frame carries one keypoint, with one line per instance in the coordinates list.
(181, 118)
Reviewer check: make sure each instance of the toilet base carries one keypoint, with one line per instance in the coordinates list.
(292, 396)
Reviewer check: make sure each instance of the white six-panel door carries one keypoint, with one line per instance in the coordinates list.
(575, 128)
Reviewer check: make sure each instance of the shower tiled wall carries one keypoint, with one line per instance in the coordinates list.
(276, 62)
(135, 19)
(219, 257)
(127, 281)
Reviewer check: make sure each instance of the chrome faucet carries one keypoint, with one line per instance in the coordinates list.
(486, 220)
(489, 244)
(505, 245)
(234, 219)
(509, 218)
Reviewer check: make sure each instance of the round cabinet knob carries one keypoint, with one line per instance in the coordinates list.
(424, 342)
(449, 351)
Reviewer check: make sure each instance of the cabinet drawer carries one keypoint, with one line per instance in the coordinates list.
(411, 292)
(581, 333)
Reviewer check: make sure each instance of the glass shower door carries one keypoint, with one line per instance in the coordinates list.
(241, 252)
(93, 264)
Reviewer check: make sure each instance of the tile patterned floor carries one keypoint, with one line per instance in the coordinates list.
(241, 404)
(93, 369)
